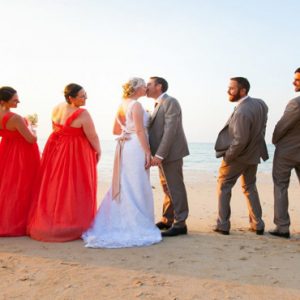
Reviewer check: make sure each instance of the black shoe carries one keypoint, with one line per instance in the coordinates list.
(224, 232)
(258, 231)
(173, 231)
(275, 232)
(162, 225)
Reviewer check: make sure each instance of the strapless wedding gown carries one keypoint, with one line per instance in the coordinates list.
(129, 220)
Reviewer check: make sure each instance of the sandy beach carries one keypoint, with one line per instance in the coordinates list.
(201, 265)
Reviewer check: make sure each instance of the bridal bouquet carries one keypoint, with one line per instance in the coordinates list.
(32, 120)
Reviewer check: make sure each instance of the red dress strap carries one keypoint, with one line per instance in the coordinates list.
(56, 126)
(73, 116)
(5, 118)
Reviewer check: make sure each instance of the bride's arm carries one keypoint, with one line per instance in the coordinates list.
(137, 114)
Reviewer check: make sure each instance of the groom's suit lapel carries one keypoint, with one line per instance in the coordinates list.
(158, 106)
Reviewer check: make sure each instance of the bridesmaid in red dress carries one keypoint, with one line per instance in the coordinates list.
(66, 203)
(19, 165)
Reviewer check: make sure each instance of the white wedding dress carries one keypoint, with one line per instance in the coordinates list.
(129, 221)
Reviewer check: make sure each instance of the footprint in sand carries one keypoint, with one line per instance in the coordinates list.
(243, 258)
(138, 283)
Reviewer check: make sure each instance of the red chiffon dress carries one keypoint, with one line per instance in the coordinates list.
(19, 167)
(66, 202)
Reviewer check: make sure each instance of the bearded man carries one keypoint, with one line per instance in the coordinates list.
(241, 144)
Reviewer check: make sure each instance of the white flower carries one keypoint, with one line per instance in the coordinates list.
(32, 119)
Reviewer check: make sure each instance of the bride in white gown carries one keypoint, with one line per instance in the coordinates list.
(126, 215)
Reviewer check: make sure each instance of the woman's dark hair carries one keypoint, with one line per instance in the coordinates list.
(298, 70)
(71, 90)
(162, 81)
(6, 93)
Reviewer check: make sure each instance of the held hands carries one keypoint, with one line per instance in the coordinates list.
(151, 161)
(156, 161)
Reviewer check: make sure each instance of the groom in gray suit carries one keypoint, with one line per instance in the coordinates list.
(168, 146)
(241, 143)
(286, 138)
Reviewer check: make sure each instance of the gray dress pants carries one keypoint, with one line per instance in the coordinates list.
(282, 167)
(175, 206)
(228, 175)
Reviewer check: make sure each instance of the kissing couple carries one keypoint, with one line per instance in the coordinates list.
(126, 215)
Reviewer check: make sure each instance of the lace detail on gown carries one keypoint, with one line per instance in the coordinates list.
(128, 222)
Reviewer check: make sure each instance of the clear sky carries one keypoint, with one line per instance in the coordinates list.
(197, 45)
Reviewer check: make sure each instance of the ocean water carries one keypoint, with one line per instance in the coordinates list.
(201, 158)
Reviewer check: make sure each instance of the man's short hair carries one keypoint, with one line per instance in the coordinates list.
(243, 83)
(162, 81)
(298, 70)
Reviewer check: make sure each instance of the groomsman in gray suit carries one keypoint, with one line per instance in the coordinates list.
(241, 143)
(286, 138)
(168, 146)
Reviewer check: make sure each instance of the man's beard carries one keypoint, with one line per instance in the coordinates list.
(234, 98)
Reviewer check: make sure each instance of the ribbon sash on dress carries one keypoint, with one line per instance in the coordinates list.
(116, 171)
(116, 183)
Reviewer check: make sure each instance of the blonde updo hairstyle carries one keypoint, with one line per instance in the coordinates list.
(131, 86)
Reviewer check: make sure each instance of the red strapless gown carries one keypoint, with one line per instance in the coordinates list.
(66, 204)
(19, 167)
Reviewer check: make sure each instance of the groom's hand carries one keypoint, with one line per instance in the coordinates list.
(156, 161)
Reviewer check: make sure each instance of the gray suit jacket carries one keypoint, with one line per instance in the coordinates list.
(286, 135)
(243, 136)
(166, 135)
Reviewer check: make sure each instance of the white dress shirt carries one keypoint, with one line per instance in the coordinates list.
(241, 100)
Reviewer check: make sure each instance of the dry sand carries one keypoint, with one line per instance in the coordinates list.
(201, 265)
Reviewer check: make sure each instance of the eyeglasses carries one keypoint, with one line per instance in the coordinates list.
(82, 96)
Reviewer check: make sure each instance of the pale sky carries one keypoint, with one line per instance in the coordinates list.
(197, 45)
